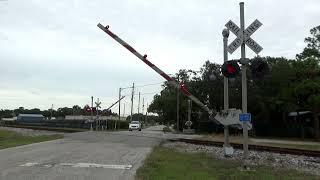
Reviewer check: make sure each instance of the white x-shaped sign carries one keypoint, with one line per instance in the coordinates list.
(244, 36)
(98, 104)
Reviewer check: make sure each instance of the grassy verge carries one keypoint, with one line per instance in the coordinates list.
(163, 164)
(238, 139)
(57, 129)
(12, 139)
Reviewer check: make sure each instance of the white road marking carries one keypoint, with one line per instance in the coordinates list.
(66, 164)
(48, 165)
(80, 165)
(107, 166)
(29, 164)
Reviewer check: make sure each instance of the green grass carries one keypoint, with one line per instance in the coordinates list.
(57, 129)
(12, 139)
(167, 164)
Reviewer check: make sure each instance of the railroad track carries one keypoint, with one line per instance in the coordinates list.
(253, 147)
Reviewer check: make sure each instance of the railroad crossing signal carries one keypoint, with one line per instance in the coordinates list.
(244, 36)
(98, 104)
(259, 68)
(230, 69)
(87, 108)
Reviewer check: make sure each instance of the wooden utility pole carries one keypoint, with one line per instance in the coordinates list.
(139, 104)
(91, 113)
(132, 102)
(178, 106)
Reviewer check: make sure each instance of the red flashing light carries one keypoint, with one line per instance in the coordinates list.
(230, 69)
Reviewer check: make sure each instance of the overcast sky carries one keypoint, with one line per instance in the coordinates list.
(52, 51)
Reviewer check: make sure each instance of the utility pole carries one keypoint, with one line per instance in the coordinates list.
(132, 102)
(146, 114)
(51, 111)
(97, 121)
(91, 113)
(178, 105)
(139, 104)
(225, 34)
(142, 105)
(115, 122)
(124, 109)
(244, 85)
(189, 110)
(98, 103)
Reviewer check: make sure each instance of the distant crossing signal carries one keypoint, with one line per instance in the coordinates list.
(87, 108)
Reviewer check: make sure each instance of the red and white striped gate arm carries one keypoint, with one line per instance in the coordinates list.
(159, 71)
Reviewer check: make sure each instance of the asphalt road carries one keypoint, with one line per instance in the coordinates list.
(81, 156)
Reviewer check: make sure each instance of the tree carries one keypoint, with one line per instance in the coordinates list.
(165, 104)
(308, 97)
(46, 113)
(313, 44)
(136, 117)
(273, 92)
(62, 112)
(76, 110)
(308, 70)
(270, 99)
(6, 113)
(18, 111)
(206, 84)
(34, 111)
(210, 86)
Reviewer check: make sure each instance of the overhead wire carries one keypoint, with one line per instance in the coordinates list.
(150, 84)
(142, 93)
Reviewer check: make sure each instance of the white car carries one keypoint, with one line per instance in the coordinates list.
(135, 125)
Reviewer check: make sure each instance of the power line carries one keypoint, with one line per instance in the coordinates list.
(143, 85)
(150, 84)
(156, 92)
(151, 93)
(130, 87)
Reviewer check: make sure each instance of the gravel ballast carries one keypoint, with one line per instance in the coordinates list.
(256, 158)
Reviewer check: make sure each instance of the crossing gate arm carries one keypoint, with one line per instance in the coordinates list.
(115, 102)
(144, 59)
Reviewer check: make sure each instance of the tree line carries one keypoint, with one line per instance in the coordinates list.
(75, 110)
(59, 113)
(292, 85)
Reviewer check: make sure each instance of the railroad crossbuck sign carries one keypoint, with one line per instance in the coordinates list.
(98, 104)
(244, 36)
